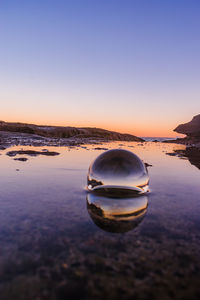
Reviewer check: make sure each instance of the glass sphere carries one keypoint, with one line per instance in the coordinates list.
(116, 214)
(118, 172)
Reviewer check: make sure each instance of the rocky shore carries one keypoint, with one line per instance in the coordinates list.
(33, 135)
(191, 140)
(190, 153)
(192, 132)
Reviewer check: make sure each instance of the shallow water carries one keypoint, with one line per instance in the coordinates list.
(52, 247)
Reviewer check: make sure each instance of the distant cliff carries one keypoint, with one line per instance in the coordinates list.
(192, 132)
(191, 129)
(66, 132)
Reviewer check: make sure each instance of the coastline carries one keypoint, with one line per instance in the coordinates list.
(8, 139)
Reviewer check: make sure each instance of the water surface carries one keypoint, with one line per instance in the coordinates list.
(52, 247)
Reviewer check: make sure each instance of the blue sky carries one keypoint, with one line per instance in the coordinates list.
(130, 66)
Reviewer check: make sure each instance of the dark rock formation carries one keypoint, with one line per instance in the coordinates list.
(100, 148)
(66, 132)
(31, 153)
(21, 159)
(191, 129)
(2, 147)
(191, 153)
(192, 132)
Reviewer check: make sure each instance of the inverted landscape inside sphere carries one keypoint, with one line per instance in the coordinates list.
(118, 170)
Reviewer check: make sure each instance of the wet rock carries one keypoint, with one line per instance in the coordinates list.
(171, 154)
(32, 153)
(2, 147)
(21, 159)
(190, 153)
(148, 165)
(100, 148)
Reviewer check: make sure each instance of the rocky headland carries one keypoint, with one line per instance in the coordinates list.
(192, 132)
(191, 140)
(36, 135)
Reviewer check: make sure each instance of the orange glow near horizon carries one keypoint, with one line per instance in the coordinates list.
(114, 65)
(145, 130)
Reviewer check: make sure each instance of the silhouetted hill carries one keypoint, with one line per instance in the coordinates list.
(66, 132)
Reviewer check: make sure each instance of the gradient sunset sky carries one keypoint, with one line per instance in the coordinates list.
(129, 66)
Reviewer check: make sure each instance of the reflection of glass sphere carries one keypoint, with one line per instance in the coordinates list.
(116, 214)
(116, 171)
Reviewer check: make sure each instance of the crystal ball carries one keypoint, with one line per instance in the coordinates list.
(116, 214)
(118, 172)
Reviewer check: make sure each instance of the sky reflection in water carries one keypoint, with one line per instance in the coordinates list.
(48, 227)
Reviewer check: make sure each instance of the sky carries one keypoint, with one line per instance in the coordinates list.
(129, 66)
